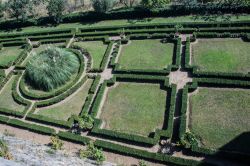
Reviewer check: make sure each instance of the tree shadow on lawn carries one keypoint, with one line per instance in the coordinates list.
(236, 151)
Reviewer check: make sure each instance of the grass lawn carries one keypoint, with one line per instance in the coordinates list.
(9, 54)
(6, 99)
(96, 49)
(220, 115)
(134, 108)
(72, 106)
(146, 54)
(222, 55)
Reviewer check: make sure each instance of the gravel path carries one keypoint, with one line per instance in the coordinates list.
(28, 153)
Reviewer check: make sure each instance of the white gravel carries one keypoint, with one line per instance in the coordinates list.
(28, 153)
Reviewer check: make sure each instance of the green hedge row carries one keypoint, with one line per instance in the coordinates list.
(165, 30)
(11, 112)
(177, 59)
(50, 121)
(5, 79)
(183, 121)
(31, 127)
(167, 70)
(95, 84)
(145, 141)
(2, 73)
(62, 96)
(86, 54)
(149, 141)
(142, 154)
(17, 99)
(195, 69)
(169, 25)
(187, 55)
(114, 53)
(221, 82)
(4, 119)
(31, 95)
(73, 137)
(140, 78)
(23, 55)
(54, 31)
(90, 97)
(13, 43)
(183, 116)
(20, 58)
(106, 56)
(96, 104)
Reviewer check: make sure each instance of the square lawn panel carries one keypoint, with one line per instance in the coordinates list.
(219, 115)
(96, 49)
(221, 55)
(6, 99)
(146, 54)
(134, 108)
(71, 105)
(9, 54)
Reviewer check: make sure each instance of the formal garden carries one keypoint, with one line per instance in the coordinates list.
(111, 87)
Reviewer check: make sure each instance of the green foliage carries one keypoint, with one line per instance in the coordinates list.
(102, 6)
(51, 68)
(85, 122)
(93, 153)
(188, 140)
(55, 9)
(154, 3)
(4, 150)
(142, 163)
(19, 8)
(56, 143)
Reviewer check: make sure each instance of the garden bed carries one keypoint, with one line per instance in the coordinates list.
(226, 55)
(218, 116)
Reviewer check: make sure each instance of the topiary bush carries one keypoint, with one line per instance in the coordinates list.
(51, 68)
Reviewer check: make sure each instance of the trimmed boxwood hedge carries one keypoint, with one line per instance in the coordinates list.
(104, 60)
(50, 121)
(209, 82)
(73, 137)
(31, 127)
(24, 53)
(17, 99)
(4, 119)
(61, 123)
(61, 96)
(198, 73)
(145, 154)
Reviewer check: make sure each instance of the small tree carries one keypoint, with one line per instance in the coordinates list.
(4, 150)
(55, 9)
(142, 163)
(19, 8)
(154, 3)
(102, 6)
(128, 3)
(177, 27)
(92, 153)
(85, 122)
(56, 143)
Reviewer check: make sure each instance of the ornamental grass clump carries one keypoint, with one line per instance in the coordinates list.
(51, 68)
